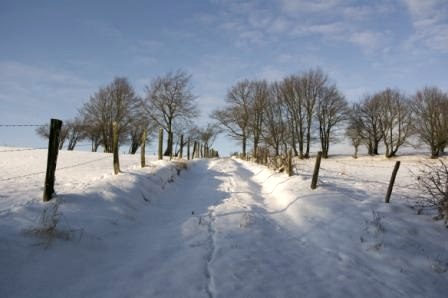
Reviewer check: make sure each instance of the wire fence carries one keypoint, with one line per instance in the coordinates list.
(20, 149)
(12, 149)
(22, 125)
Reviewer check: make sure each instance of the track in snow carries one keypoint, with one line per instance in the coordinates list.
(225, 228)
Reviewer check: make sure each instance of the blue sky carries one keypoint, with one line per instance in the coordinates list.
(55, 54)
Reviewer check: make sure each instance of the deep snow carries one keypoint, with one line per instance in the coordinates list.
(221, 228)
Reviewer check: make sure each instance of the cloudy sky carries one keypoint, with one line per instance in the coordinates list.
(55, 54)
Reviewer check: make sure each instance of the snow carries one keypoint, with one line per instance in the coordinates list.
(219, 228)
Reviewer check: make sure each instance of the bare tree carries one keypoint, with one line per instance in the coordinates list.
(274, 122)
(368, 111)
(92, 132)
(355, 138)
(116, 102)
(293, 100)
(75, 132)
(205, 135)
(431, 109)
(260, 94)
(44, 132)
(312, 84)
(170, 99)
(354, 130)
(331, 111)
(235, 117)
(395, 119)
(139, 124)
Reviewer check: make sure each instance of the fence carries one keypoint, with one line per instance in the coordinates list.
(285, 163)
(199, 151)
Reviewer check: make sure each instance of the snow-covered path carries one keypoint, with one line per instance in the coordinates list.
(227, 228)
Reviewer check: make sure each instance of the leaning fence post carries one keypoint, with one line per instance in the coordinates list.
(290, 163)
(115, 148)
(195, 146)
(392, 181)
(160, 143)
(316, 170)
(188, 149)
(53, 149)
(170, 136)
(143, 149)
(181, 146)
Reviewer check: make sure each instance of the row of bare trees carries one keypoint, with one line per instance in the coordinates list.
(285, 114)
(300, 109)
(168, 103)
(392, 119)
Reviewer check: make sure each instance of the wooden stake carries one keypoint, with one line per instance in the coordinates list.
(53, 150)
(171, 145)
(181, 146)
(115, 148)
(143, 149)
(290, 163)
(188, 149)
(392, 182)
(316, 170)
(160, 143)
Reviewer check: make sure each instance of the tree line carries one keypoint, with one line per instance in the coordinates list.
(274, 117)
(307, 107)
(169, 103)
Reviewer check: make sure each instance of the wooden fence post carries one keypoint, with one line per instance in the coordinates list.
(171, 145)
(316, 170)
(160, 143)
(143, 149)
(115, 148)
(392, 181)
(181, 146)
(290, 163)
(188, 149)
(53, 150)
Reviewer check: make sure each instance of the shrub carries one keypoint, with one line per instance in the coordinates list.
(433, 180)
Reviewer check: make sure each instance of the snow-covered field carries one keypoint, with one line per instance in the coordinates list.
(220, 228)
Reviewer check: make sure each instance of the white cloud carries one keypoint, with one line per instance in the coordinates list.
(368, 40)
(271, 74)
(280, 24)
(255, 23)
(430, 21)
(145, 60)
(329, 30)
(294, 6)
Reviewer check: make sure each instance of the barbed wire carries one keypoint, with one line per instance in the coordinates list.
(82, 163)
(24, 149)
(352, 164)
(22, 176)
(57, 169)
(22, 125)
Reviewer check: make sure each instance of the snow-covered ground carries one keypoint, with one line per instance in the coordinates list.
(220, 228)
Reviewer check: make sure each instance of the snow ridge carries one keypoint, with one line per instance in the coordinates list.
(211, 289)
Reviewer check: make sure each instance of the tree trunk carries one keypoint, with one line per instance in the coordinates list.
(143, 149)
(115, 148)
(160, 143)
(244, 145)
(169, 144)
